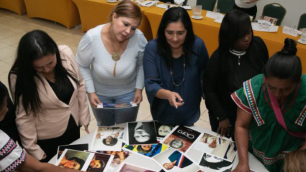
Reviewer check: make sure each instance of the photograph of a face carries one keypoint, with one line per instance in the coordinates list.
(108, 138)
(181, 138)
(77, 160)
(175, 161)
(99, 162)
(141, 133)
(80, 147)
(217, 146)
(162, 130)
(146, 150)
(126, 167)
(213, 163)
(118, 157)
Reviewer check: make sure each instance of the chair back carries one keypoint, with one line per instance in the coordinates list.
(275, 10)
(302, 21)
(225, 5)
(207, 4)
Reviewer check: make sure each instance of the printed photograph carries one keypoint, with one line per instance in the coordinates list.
(217, 146)
(118, 157)
(162, 130)
(77, 160)
(146, 150)
(108, 138)
(99, 162)
(213, 163)
(125, 167)
(80, 147)
(141, 133)
(181, 138)
(174, 161)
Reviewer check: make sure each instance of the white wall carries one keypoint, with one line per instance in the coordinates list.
(294, 9)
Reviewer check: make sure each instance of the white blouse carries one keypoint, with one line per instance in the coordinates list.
(97, 65)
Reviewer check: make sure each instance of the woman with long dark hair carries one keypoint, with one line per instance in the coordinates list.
(239, 57)
(174, 64)
(49, 94)
(271, 111)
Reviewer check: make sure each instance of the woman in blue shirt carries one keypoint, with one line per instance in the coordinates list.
(173, 67)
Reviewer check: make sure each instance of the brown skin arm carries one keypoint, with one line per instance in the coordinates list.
(32, 165)
(242, 140)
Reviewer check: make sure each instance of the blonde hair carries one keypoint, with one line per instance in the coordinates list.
(295, 161)
(126, 8)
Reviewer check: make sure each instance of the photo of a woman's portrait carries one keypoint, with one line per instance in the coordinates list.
(108, 138)
(99, 162)
(162, 130)
(142, 133)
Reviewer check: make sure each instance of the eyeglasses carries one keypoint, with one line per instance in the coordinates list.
(171, 73)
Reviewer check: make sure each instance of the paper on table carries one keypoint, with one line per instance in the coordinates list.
(187, 7)
(165, 6)
(258, 27)
(147, 3)
(214, 15)
(219, 20)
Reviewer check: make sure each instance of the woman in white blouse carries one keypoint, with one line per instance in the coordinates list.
(110, 58)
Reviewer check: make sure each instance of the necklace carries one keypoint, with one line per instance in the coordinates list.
(238, 53)
(116, 54)
(171, 73)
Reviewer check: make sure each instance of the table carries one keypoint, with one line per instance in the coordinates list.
(62, 11)
(208, 30)
(96, 12)
(16, 6)
(151, 164)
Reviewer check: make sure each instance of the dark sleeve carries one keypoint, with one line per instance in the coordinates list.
(211, 76)
(151, 70)
(263, 48)
(202, 54)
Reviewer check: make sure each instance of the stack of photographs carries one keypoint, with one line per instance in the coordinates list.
(218, 153)
(181, 138)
